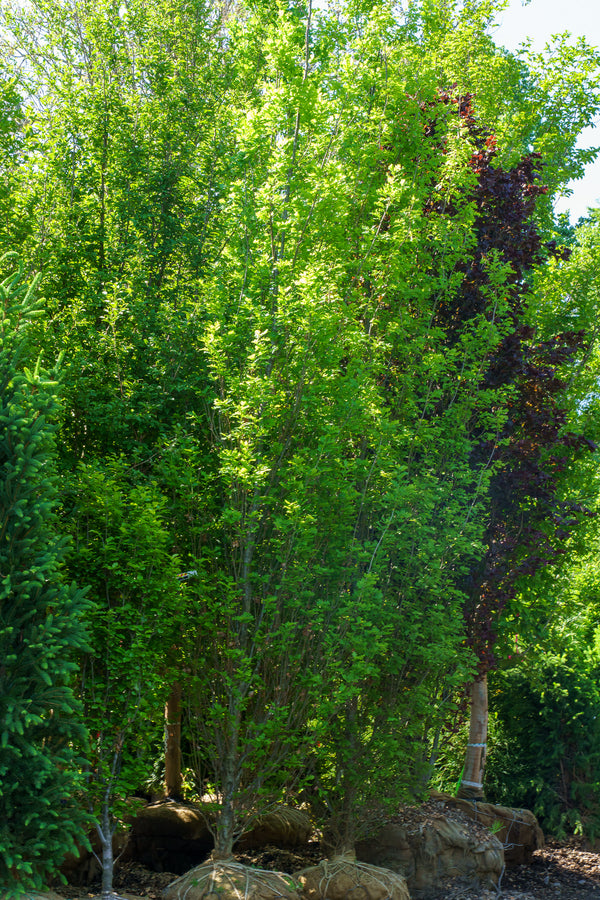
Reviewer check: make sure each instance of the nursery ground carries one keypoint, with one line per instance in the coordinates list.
(563, 870)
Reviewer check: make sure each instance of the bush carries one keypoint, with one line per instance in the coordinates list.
(39, 625)
(546, 754)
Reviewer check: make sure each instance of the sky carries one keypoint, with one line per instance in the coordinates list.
(539, 20)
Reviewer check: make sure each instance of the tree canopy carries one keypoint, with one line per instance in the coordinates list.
(326, 350)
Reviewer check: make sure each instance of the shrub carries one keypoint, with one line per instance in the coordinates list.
(39, 624)
(546, 755)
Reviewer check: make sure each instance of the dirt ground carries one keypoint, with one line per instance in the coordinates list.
(563, 870)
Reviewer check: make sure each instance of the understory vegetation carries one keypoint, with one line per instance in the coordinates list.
(299, 416)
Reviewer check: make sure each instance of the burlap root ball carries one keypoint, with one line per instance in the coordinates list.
(229, 880)
(344, 879)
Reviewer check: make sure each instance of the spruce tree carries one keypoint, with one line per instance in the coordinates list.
(39, 620)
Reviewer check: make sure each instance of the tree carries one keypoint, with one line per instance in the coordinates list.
(353, 470)
(527, 520)
(263, 234)
(126, 180)
(12, 151)
(121, 549)
(548, 636)
(41, 630)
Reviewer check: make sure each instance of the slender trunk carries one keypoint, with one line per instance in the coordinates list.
(105, 828)
(345, 838)
(102, 199)
(105, 835)
(173, 775)
(225, 832)
(344, 835)
(471, 786)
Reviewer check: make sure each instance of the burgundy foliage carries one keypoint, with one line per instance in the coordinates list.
(528, 523)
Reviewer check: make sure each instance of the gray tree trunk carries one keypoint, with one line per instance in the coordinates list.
(105, 835)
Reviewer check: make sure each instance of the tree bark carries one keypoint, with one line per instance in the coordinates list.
(173, 774)
(230, 780)
(105, 833)
(471, 786)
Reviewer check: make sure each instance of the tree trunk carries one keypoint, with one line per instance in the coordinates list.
(342, 826)
(471, 786)
(225, 834)
(344, 835)
(105, 835)
(230, 780)
(173, 775)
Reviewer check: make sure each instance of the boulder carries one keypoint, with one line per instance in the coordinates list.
(516, 829)
(283, 826)
(229, 880)
(170, 835)
(434, 851)
(346, 879)
(43, 895)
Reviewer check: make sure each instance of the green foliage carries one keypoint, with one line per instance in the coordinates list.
(545, 755)
(550, 761)
(342, 440)
(40, 624)
(134, 619)
(121, 188)
(255, 226)
(12, 153)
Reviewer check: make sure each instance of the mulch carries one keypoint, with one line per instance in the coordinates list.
(563, 870)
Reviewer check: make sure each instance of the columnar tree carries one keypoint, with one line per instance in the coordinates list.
(527, 519)
(550, 633)
(122, 549)
(131, 149)
(341, 425)
(40, 624)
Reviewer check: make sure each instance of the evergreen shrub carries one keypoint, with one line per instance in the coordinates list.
(40, 728)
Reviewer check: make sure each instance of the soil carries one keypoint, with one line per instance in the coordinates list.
(563, 870)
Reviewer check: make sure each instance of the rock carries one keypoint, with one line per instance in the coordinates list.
(229, 880)
(433, 851)
(283, 826)
(517, 829)
(41, 895)
(345, 879)
(170, 835)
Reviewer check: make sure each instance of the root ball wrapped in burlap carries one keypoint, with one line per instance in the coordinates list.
(229, 880)
(345, 879)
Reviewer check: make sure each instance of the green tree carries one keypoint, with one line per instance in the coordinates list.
(40, 630)
(126, 179)
(121, 549)
(255, 225)
(12, 153)
(123, 180)
(548, 639)
(344, 498)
